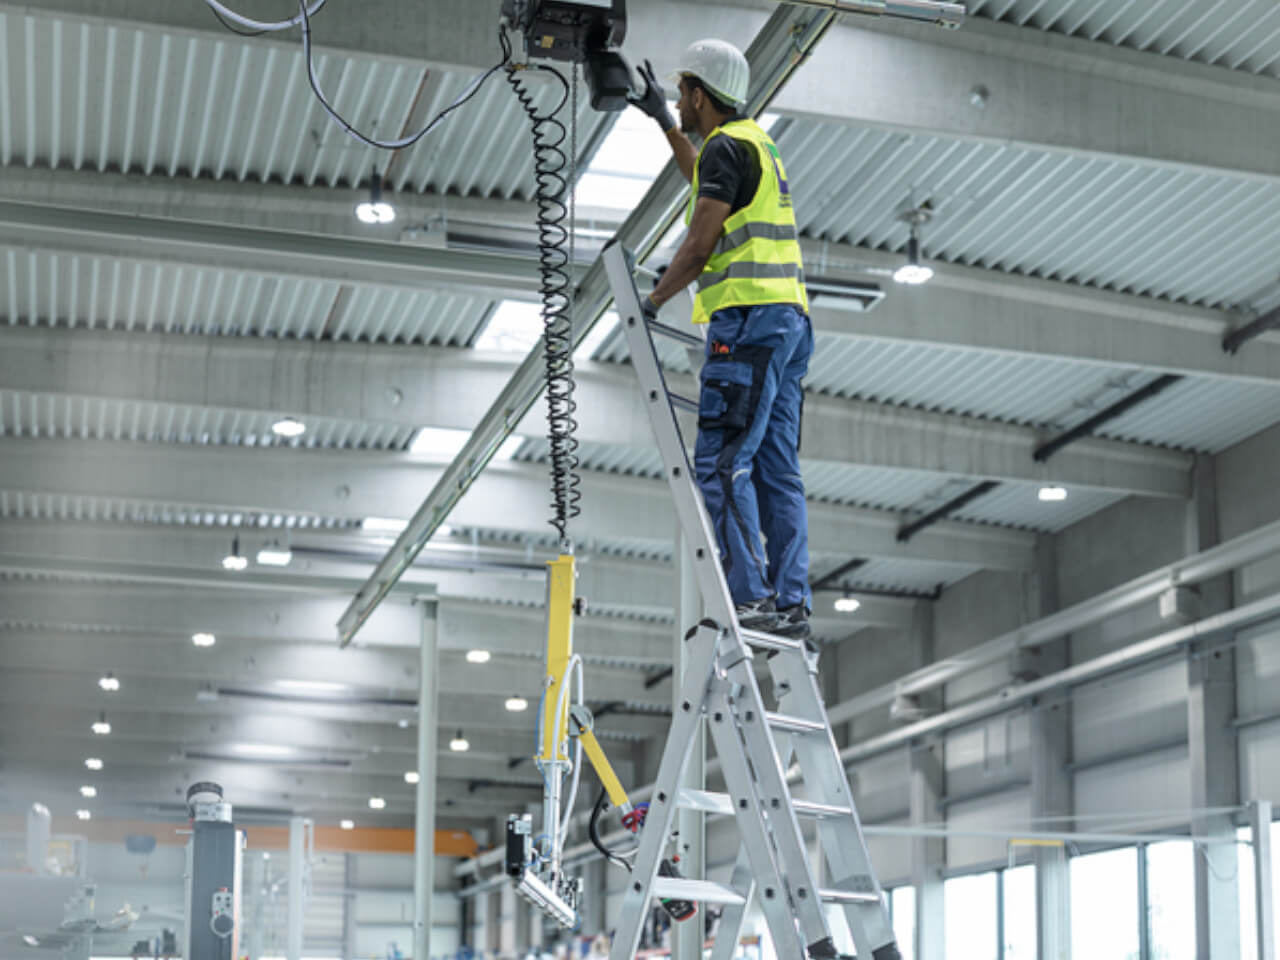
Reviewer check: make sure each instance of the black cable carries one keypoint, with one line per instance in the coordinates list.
(593, 831)
(233, 28)
(403, 142)
(549, 166)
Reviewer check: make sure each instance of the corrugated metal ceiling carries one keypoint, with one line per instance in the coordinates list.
(113, 98)
(40, 287)
(1104, 223)
(1239, 34)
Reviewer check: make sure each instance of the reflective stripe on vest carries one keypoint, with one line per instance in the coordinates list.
(757, 257)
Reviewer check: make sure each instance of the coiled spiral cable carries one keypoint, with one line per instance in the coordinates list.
(553, 176)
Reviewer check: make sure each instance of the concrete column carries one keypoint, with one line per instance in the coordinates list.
(596, 886)
(1050, 746)
(1211, 708)
(424, 820)
(479, 940)
(1211, 703)
(508, 905)
(348, 905)
(1260, 825)
(297, 887)
(928, 854)
(687, 938)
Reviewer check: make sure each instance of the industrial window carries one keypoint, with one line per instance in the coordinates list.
(1248, 909)
(1171, 900)
(972, 921)
(1104, 905)
(902, 907)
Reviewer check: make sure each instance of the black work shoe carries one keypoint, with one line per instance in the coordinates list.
(793, 622)
(759, 615)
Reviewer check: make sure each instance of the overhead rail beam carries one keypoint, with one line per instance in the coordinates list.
(949, 15)
(1113, 412)
(948, 508)
(1236, 339)
(779, 49)
(1245, 549)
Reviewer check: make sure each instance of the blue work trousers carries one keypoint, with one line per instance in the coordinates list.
(747, 457)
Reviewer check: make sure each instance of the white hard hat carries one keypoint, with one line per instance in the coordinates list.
(720, 66)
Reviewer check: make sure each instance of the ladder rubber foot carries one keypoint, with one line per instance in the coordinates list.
(824, 949)
(888, 952)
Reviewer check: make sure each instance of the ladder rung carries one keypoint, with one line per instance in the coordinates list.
(842, 896)
(701, 891)
(781, 721)
(684, 403)
(767, 641)
(707, 802)
(688, 339)
(820, 811)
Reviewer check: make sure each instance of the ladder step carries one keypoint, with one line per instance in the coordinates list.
(706, 802)
(722, 805)
(684, 403)
(780, 721)
(820, 811)
(767, 641)
(700, 891)
(843, 896)
(688, 339)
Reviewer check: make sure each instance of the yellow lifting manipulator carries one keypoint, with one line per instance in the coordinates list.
(534, 862)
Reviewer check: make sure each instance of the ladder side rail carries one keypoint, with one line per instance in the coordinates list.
(840, 838)
(758, 840)
(663, 802)
(690, 510)
(732, 916)
(749, 713)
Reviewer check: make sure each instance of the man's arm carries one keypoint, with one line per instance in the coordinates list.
(653, 102)
(699, 243)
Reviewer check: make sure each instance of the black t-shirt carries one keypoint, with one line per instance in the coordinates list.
(729, 171)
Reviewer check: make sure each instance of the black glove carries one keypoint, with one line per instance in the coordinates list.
(653, 101)
(649, 308)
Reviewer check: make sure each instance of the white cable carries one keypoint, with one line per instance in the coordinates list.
(268, 27)
(577, 763)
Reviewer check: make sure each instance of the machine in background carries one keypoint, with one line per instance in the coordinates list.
(214, 861)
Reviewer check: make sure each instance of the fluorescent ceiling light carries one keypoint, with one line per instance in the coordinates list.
(459, 744)
(383, 525)
(516, 704)
(411, 776)
(88, 791)
(377, 803)
(203, 639)
(446, 444)
(403, 723)
(312, 686)
(288, 427)
(83, 815)
(1053, 494)
(93, 763)
(913, 272)
(478, 656)
(380, 212)
(263, 750)
(100, 726)
(847, 604)
(347, 824)
(29, 940)
(599, 333)
(235, 562)
(275, 556)
(109, 683)
(514, 327)
(375, 209)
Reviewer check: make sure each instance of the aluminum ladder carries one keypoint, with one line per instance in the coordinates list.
(755, 745)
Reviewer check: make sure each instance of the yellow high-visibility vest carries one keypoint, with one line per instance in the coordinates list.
(757, 259)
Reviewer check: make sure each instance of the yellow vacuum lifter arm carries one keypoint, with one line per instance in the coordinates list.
(595, 753)
(560, 577)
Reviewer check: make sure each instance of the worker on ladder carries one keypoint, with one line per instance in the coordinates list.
(743, 252)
